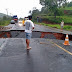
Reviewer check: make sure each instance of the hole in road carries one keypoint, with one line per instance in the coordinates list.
(35, 34)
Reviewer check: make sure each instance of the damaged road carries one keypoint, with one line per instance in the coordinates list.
(48, 54)
(40, 31)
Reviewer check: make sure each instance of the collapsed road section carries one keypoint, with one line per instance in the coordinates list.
(35, 34)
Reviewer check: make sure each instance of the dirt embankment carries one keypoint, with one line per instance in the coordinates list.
(1, 27)
(47, 22)
(4, 28)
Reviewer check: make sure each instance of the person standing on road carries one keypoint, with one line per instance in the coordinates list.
(29, 26)
(62, 25)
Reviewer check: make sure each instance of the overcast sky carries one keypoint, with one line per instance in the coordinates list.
(19, 7)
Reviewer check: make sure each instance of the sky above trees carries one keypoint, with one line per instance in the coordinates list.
(19, 7)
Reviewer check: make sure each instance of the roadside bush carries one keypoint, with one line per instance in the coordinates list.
(4, 22)
(52, 19)
(60, 12)
(58, 19)
(67, 27)
(55, 20)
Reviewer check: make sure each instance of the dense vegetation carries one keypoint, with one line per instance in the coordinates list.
(58, 19)
(4, 22)
(4, 19)
(54, 11)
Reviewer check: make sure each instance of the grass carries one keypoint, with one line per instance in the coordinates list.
(58, 19)
(67, 8)
(4, 22)
(66, 19)
(66, 27)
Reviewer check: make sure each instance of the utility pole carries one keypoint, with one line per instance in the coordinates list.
(11, 14)
(7, 12)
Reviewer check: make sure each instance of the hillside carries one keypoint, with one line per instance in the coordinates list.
(67, 8)
(66, 17)
(1, 15)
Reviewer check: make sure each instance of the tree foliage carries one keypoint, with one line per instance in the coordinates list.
(70, 4)
(53, 5)
(35, 13)
(4, 18)
(50, 3)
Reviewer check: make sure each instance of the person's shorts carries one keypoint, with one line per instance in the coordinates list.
(28, 35)
(61, 26)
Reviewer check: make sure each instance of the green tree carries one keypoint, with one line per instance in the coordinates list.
(50, 3)
(44, 10)
(70, 4)
(30, 11)
(53, 5)
(35, 13)
(4, 18)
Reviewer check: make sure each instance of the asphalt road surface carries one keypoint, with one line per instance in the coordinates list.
(46, 55)
(37, 28)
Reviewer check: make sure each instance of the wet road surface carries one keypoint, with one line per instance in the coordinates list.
(45, 57)
(37, 28)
